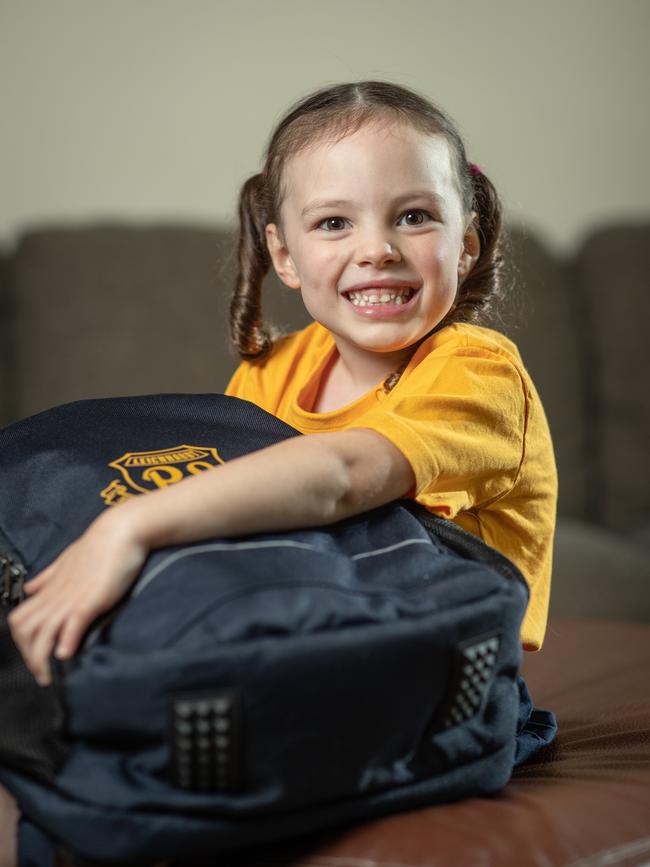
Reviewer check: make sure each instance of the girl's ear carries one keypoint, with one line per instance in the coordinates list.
(281, 258)
(471, 248)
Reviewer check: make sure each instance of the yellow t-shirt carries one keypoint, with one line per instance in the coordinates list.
(466, 416)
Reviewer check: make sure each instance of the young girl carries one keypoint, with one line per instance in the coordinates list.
(368, 206)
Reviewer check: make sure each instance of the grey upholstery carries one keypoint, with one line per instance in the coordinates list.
(612, 271)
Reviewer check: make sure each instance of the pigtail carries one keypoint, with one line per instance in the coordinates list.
(250, 335)
(482, 289)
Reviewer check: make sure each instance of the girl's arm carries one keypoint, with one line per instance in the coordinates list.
(305, 481)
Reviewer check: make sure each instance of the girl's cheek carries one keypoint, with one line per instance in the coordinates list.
(446, 256)
(432, 261)
(327, 264)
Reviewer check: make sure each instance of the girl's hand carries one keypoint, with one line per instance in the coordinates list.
(86, 579)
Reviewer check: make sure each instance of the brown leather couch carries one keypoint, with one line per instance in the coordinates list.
(99, 310)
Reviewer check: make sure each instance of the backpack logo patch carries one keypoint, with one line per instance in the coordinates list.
(149, 471)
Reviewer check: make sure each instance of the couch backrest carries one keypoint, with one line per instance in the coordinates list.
(114, 310)
(614, 284)
(110, 310)
(542, 323)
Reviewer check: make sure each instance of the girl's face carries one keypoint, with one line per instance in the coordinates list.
(374, 236)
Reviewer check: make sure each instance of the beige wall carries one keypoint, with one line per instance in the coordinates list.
(146, 109)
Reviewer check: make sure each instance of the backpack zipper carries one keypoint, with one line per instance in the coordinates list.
(12, 580)
(464, 542)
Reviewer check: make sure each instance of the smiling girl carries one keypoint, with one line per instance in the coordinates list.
(367, 206)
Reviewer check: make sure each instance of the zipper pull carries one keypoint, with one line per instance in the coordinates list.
(12, 579)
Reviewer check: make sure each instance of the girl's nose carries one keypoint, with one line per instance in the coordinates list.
(377, 250)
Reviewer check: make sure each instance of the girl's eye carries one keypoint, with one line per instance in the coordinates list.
(418, 212)
(337, 224)
(339, 220)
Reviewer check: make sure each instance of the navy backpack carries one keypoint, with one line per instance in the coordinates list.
(248, 689)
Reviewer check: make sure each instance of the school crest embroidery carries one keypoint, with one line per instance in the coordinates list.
(148, 471)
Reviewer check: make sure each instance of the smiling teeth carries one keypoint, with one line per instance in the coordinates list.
(363, 299)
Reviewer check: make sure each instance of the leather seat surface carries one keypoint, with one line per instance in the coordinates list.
(582, 802)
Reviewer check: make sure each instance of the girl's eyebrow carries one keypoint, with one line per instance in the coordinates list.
(320, 204)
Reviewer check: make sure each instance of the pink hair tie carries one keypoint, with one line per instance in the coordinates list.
(475, 170)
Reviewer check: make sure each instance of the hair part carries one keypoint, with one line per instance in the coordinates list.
(330, 114)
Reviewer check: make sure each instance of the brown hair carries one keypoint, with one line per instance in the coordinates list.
(333, 113)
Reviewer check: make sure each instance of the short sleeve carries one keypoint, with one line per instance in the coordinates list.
(237, 385)
(253, 382)
(460, 422)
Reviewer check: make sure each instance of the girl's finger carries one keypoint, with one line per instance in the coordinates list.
(29, 612)
(71, 634)
(21, 639)
(43, 675)
(39, 580)
(42, 647)
(40, 650)
(30, 623)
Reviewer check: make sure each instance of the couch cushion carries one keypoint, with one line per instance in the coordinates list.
(118, 310)
(598, 574)
(613, 274)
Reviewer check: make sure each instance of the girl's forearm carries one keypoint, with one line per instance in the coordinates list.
(301, 482)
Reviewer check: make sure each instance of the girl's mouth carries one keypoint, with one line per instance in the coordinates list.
(381, 301)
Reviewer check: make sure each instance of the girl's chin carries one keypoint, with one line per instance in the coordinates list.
(383, 347)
